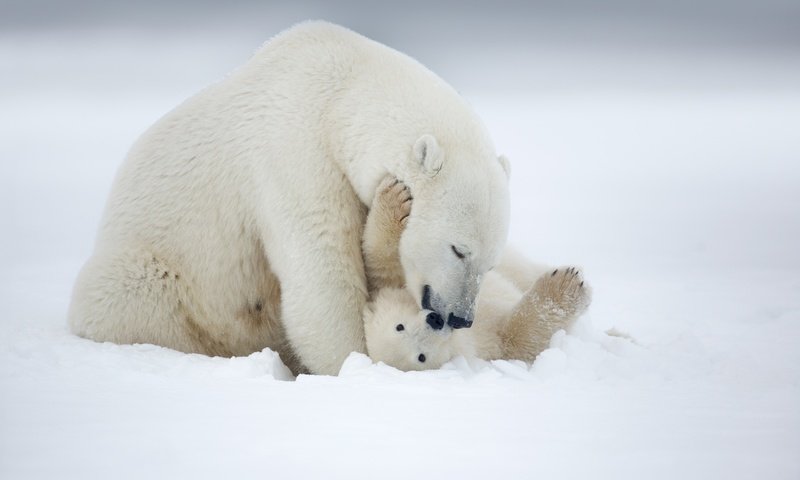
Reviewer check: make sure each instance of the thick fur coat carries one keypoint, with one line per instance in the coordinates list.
(235, 222)
(520, 304)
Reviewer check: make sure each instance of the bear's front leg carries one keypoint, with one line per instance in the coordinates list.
(316, 255)
(386, 221)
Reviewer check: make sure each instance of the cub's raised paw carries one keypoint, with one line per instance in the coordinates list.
(392, 203)
(562, 292)
(384, 226)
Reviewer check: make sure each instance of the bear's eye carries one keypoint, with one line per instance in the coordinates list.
(457, 252)
(399, 327)
(421, 358)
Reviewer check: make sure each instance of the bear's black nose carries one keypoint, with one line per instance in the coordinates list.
(435, 321)
(426, 298)
(458, 322)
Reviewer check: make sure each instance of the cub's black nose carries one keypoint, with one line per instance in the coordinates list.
(458, 322)
(435, 321)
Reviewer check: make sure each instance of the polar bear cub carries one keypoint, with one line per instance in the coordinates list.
(519, 306)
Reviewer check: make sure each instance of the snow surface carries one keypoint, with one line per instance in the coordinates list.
(681, 203)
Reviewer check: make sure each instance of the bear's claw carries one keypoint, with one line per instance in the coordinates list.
(563, 291)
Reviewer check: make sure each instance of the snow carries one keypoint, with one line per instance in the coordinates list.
(679, 199)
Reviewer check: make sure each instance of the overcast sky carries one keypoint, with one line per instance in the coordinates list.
(750, 24)
(476, 45)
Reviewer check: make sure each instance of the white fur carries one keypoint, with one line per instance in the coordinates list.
(235, 222)
(512, 322)
(401, 348)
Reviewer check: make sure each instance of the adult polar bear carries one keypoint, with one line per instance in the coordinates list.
(235, 222)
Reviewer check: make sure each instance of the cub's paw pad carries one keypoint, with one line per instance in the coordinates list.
(394, 200)
(564, 290)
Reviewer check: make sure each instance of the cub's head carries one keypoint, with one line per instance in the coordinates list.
(399, 334)
(457, 227)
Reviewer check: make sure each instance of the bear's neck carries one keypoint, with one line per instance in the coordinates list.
(375, 129)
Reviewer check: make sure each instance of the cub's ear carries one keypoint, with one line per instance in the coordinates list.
(428, 154)
(504, 163)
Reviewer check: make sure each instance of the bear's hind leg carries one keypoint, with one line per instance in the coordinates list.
(516, 268)
(135, 297)
(556, 299)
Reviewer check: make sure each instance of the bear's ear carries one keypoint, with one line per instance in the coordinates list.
(428, 154)
(504, 163)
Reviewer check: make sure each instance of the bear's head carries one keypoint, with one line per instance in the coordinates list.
(400, 335)
(457, 228)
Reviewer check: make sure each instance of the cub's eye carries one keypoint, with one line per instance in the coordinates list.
(457, 252)
(421, 358)
(399, 327)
